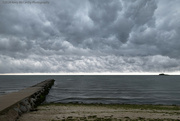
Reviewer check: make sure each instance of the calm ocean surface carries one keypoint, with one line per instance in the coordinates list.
(102, 89)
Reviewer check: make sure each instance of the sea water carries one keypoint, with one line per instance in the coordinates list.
(128, 89)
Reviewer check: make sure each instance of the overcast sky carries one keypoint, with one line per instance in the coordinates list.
(61, 36)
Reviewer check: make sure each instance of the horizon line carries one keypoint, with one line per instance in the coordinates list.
(95, 73)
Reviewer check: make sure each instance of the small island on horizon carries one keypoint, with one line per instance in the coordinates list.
(162, 74)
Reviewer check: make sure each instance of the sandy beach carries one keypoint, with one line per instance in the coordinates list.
(101, 112)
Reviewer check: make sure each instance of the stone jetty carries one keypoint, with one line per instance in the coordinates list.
(14, 104)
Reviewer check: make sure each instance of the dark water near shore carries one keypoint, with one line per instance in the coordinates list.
(102, 89)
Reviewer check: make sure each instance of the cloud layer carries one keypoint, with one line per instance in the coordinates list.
(90, 36)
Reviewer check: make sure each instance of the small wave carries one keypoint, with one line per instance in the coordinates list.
(96, 99)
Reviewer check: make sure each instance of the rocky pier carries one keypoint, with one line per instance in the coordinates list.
(12, 105)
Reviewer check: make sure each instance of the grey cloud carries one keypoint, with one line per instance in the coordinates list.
(140, 11)
(24, 21)
(89, 64)
(90, 36)
(104, 13)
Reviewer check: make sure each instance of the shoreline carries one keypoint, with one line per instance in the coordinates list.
(100, 112)
(122, 105)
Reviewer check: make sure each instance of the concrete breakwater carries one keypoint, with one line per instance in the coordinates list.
(14, 104)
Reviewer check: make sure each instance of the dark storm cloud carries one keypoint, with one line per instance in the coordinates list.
(90, 36)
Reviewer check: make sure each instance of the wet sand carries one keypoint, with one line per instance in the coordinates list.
(101, 112)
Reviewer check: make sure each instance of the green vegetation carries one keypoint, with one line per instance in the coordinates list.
(124, 106)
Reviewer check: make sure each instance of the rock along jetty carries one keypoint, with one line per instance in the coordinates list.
(14, 104)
